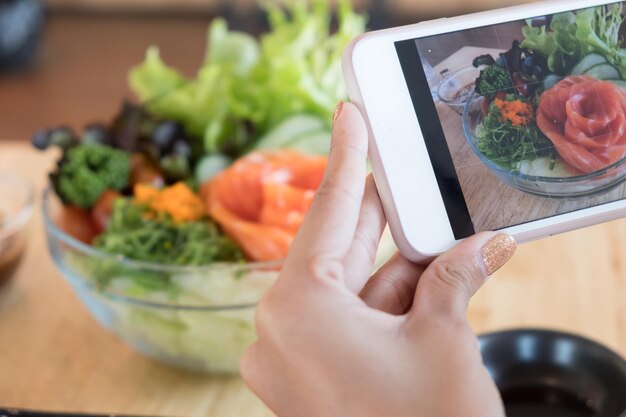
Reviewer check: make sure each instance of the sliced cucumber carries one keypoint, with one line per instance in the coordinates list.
(315, 143)
(290, 130)
(604, 72)
(211, 165)
(588, 62)
(551, 80)
(620, 83)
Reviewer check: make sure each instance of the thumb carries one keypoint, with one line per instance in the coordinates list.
(449, 282)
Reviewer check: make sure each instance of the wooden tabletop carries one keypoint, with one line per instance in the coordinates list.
(53, 354)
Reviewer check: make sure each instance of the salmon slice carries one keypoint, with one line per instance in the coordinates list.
(285, 205)
(259, 242)
(585, 119)
(261, 200)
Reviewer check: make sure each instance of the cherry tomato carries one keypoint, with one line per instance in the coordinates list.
(487, 103)
(501, 95)
(101, 211)
(77, 223)
(144, 171)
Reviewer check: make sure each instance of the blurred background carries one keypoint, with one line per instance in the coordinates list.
(67, 60)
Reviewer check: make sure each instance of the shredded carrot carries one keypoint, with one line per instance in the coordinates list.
(178, 200)
(517, 112)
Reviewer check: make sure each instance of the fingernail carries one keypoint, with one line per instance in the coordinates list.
(337, 111)
(497, 251)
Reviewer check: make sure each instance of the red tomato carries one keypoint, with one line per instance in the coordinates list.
(144, 171)
(101, 211)
(77, 223)
(501, 95)
(486, 102)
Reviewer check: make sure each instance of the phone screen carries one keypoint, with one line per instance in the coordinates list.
(523, 120)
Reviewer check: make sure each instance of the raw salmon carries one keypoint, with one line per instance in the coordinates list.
(585, 118)
(261, 200)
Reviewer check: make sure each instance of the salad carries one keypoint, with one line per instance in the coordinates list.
(554, 105)
(193, 195)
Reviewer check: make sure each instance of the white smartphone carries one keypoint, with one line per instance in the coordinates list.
(511, 120)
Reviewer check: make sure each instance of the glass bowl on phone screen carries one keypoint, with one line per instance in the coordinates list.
(456, 89)
(542, 175)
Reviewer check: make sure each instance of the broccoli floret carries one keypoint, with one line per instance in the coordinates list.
(493, 79)
(86, 171)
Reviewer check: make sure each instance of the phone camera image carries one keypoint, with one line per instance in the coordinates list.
(532, 115)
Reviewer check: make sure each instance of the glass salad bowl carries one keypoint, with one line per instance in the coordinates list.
(198, 318)
(535, 177)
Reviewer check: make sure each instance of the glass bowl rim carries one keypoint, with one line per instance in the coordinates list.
(25, 212)
(448, 79)
(532, 178)
(56, 233)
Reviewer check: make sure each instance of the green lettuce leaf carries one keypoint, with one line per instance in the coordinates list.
(207, 105)
(586, 32)
(574, 35)
(300, 66)
(246, 87)
(153, 78)
(563, 26)
(538, 39)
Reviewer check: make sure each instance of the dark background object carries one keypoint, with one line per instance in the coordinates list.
(80, 69)
(14, 412)
(21, 23)
(80, 72)
(543, 373)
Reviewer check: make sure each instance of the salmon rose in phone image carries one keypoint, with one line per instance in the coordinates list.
(585, 120)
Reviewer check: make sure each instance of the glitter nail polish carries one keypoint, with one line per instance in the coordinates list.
(497, 251)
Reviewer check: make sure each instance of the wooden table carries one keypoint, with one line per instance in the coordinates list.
(53, 355)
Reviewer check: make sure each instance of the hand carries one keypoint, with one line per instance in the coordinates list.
(335, 342)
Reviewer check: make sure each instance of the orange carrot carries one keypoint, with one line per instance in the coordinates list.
(517, 112)
(178, 200)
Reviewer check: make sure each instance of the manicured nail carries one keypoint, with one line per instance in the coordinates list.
(497, 251)
(337, 111)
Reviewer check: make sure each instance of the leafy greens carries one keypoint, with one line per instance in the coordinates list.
(246, 87)
(507, 144)
(574, 35)
(139, 233)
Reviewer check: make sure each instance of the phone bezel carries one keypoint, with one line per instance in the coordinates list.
(397, 151)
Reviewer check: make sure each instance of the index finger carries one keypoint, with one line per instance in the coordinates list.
(331, 222)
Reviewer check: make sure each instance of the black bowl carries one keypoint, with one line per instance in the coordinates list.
(543, 373)
(21, 23)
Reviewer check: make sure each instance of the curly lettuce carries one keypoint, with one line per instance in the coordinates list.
(207, 105)
(300, 66)
(137, 232)
(247, 87)
(571, 36)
